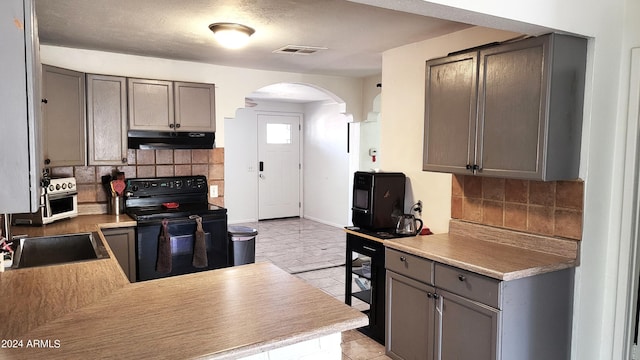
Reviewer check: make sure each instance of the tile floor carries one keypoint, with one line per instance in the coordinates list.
(314, 252)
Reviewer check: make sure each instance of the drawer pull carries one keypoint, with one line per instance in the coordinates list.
(369, 248)
(403, 259)
(461, 277)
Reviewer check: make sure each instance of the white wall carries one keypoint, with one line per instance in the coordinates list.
(232, 84)
(614, 29)
(402, 125)
(326, 164)
(370, 137)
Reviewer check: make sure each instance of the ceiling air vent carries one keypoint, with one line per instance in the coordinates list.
(299, 50)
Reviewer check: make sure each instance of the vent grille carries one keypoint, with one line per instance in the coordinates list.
(299, 50)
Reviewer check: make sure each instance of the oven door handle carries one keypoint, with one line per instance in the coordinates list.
(366, 211)
(61, 195)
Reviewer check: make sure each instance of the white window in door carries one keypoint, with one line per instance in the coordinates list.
(279, 165)
(278, 134)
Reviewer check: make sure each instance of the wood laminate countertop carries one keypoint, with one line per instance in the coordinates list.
(225, 313)
(79, 224)
(91, 311)
(497, 253)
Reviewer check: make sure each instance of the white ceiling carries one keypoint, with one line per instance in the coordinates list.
(355, 35)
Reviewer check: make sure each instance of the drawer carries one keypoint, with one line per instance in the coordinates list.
(408, 265)
(468, 284)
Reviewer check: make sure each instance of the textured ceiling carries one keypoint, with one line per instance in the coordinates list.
(355, 34)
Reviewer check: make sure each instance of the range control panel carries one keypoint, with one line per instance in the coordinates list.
(140, 187)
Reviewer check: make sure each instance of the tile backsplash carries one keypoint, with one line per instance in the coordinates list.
(92, 198)
(552, 208)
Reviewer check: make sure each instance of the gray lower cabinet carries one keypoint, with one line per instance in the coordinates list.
(469, 329)
(20, 162)
(513, 110)
(122, 244)
(436, 311)
(106, 120)
(410, 318)
(63, 117)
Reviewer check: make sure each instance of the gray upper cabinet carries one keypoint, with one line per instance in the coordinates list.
(194, 107)
(513, 110)
(63, 116)
(159, 105)
(150, 105)
(106, 120)
(20, 97)
(450, 113)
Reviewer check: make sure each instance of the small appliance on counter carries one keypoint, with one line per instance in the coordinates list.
(378, 200)
(58, 200)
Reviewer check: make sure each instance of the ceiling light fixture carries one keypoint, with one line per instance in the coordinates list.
(231, 35)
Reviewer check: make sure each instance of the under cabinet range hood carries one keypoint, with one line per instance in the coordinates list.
(170, 140)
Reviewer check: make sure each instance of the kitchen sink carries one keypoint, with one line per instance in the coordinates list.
(60, 249)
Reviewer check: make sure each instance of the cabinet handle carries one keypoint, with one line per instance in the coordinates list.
(461, 277)
(429, 295)
(44, 101)
(469, 167)
(47, 161)
(177, 126)
(403, 259)
(171, 126)
(124, 160)
(436, 296)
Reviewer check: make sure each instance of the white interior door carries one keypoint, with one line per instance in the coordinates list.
(278, 165)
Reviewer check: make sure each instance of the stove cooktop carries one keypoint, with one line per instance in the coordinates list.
(169, 197)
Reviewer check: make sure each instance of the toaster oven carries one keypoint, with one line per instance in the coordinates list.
(58, 200)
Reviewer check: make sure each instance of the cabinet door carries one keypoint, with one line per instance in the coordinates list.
(20, 100)
(63, 116)
(107, 119)
(467, 329)
(450, 113)
(194, 107)
(410, 318)
(122, 244)
(512, 103)
(150, 105)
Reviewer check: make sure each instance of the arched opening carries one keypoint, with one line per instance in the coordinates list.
(325, 160)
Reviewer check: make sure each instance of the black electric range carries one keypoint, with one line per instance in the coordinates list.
(167, 211)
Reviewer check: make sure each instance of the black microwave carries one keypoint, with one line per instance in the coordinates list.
(378, 199)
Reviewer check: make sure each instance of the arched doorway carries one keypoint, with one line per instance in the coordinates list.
(324, 160)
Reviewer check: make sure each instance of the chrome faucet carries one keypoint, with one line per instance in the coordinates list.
(7, 227)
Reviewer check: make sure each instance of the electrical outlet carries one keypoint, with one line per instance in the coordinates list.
(213, 191)
(418, 207)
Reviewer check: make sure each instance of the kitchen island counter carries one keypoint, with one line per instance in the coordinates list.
(226, 313)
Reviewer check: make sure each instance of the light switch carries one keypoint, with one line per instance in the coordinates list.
(213, 191)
